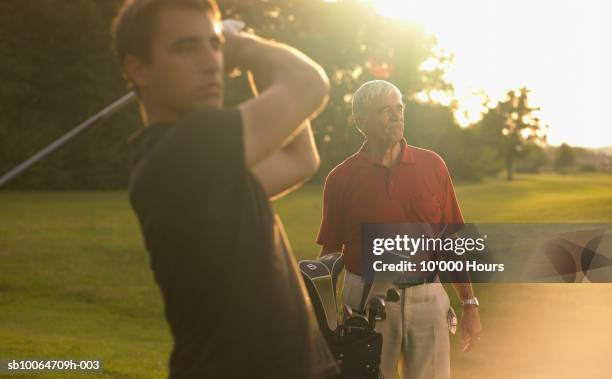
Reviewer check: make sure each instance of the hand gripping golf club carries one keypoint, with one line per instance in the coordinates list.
(103, 114)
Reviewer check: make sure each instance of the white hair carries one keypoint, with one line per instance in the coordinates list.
(370, 91)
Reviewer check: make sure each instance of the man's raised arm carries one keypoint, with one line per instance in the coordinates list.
(297, 91)
(287, 168)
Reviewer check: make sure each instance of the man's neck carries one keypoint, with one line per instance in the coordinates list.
(385, 155)
(152, 115)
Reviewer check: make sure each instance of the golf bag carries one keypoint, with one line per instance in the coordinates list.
(353, 341)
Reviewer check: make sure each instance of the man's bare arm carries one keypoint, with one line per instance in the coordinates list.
(464, 290)
(297, 92)
(287, 168)
(470, 317)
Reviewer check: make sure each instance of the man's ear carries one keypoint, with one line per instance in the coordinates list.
(135, 71)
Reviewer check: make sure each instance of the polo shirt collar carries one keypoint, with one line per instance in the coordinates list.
(407, 153)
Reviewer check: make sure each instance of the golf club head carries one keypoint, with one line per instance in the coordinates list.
(382, 316)
(347, 312)
(392, 295)
(319, 285)
(376, 303)
(376, 311)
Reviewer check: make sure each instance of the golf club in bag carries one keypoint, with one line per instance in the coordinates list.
(352, 338)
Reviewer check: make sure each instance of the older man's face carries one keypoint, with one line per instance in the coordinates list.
(384, 120)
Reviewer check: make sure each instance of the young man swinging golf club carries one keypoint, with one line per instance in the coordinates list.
(200, 189)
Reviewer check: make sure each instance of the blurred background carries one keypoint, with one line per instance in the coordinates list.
(494, 87)
(513, 95)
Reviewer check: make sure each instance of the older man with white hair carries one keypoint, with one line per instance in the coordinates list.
(389, 181)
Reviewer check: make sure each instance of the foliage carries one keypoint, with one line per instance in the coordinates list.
(511, 127)
(55, 75)
(564, 159)
(533, 159)
(64, 70)
(352, 49)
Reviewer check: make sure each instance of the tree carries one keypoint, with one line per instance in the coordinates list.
(352, 43)
(57, 74)
(64, 70)
(565, 158)
(54, 76)
(512, 125)
(531, 159)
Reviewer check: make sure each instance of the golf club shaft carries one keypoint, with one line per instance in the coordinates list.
(104, 113)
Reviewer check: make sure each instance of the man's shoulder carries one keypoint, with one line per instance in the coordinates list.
(211, 116)
(343, 169)
(188, 126)
(427, 157)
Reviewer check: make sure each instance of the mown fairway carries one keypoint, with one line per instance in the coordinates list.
(75, 283)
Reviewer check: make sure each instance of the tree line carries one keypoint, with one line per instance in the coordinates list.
(59, 68)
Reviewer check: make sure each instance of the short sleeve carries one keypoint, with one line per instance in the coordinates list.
(330, 232)
(203, 148)
(451, 212)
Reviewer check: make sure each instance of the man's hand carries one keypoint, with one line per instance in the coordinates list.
(294, 90)
(231, 47)
(470, 326)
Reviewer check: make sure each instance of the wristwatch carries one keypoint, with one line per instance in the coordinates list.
(470, 301)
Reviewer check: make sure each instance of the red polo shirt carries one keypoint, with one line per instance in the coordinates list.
(416, 190)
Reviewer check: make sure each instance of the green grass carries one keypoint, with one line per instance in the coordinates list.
(529, 198)
(75, 280)
(75, 283)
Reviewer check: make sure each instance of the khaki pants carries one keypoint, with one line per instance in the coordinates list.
(415, 332)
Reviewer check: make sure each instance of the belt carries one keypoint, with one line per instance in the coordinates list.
(412, 282)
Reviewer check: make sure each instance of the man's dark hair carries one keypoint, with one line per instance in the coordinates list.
(134, 25)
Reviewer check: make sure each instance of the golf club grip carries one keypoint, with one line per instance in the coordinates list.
(104, 113)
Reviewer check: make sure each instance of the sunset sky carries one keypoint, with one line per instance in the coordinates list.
(560, 50)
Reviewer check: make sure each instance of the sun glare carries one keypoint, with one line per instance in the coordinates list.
(556, 49)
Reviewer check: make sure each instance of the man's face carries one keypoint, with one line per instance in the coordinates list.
(186, 68)
(383, 120)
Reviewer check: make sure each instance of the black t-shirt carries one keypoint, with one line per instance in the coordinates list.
(233, 297)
